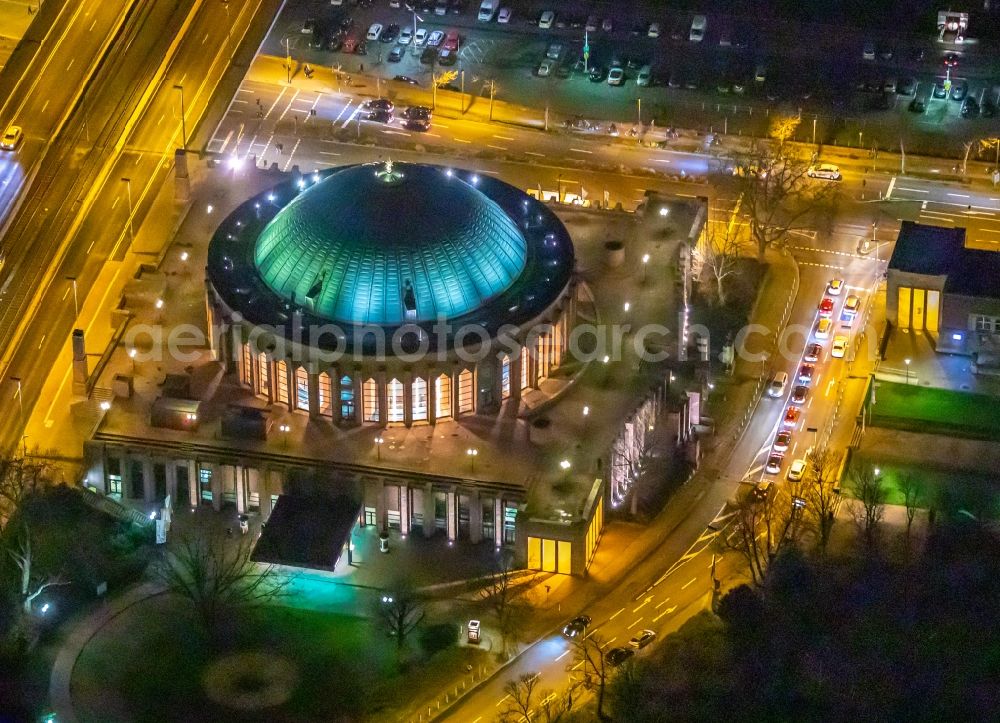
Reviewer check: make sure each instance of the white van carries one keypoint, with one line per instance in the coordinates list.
(776, 387)
(487, 10)
(698, 25)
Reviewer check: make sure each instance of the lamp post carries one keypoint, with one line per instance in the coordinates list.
(645, 263)
(184, 133)
(76, 302)
(472, 453)
(379, 441)
(20, 399)
(128, 186)
(906, 361)
(493, 90)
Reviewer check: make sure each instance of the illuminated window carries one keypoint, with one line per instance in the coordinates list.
(246, 370)
(525, 382)
(369, 394)
(442, 396)
(465, 404)
(346, 397)
(542, 353)
(281, 371)
(263, 381)
(505, 377)
(325, 395)
(394, 400)
(302, 388)
(419, 399)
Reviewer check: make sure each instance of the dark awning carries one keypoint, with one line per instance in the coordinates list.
(307, 531)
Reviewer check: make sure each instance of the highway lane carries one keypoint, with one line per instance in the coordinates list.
(977, 209)
(44, 93)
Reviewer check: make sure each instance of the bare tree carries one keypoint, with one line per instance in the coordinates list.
(821, 493)
(521, 698)
(19, 478)
(869, 490)
(217, 576)
(506, 600)
(588, 654)
(762, 527)
(720, 253)
(31, 583)
(400, 609)
(777, 196)
(783, 127)
(913, 496)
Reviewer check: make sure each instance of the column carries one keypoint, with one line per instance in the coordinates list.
(241, 485)
(475, 518)
(216, 471)
(404, 509)
(382, 393)
(171, 469)
(515, 376)
(407, 397)
(432, 376)
(313, 391)
(454, 392)
(194, 484)
(380, 516)
(264, 490)
(498, 522)
(358, 381)
(148, 480)
(335, 374)
(452, 512)
(429, 522)
(126, 468)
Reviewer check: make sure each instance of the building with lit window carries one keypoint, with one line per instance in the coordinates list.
(939, 287)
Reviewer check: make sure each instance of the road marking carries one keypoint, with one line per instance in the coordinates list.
(504, 138)
(562, 655)
(440, 125)
(342, 111)
(959, 195)
(70, 63)
(461, 140)
(328, 153)
(637, 621)
(685, 585)
(828, 388)
(662, 603)
(989, 230)
(643, 604)
(580, 150)
(573, 668)
(433, 135)
(532, 153)
(608, 642)
(662, 160)
(395, 133)
(500, 702)
(288, 164)
(499, 148)
(888, 193)
(913, 190)
(616, 614)
(665, 612)
(351, 117)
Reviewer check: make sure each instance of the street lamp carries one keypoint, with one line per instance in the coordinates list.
(379, 441)
(627, 306)
(907, 363)
(645, 262)
(131, 355)
(76, 302)
(20, 399)
(664, 210)
(184, 133)
(472, 453)
(565, 465)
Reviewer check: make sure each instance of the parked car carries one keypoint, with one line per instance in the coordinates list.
(653, 31)
(607, 25)
(959, 89)
(545, 68)
(907, 86)
(379, 104)
(554, 51)
(380, 116)
(546, 19)
(617, 656)
(868, 50)
(420, 37)
(598, 73)
(406, 35)
(447, 57)
(396, 54)
(826, 171)
(698, 25)
(577, 626)
(428, 56)
(592, 24)
(616, 76)
(374, 32)
(988, 108)
(308, 27)
(435, 39)
(917, 105)
(939, 91)
(503, 17)
(390, 33)
(451, 41)
(406, 79)
(642, 639)
(970, 108)
(645, 77)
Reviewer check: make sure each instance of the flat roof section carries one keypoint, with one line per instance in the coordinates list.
(940, 251)
(307, 531)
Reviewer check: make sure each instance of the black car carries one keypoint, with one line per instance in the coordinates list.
(959, 89)
(598, 73)
(346, 22)
(970, 108)
(917, 105)
(406, 79)
(576, 626)
(379, 104)
(456, 7)
(988, 109)
(908, 86)
(390, 34)
(415, 124)
(336, 43)
(617, 656)
(417, 112)
(380, 115)
(396, 54)
(428, 56)
(562, 70)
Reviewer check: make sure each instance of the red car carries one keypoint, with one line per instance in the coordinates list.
(826, 307)
(799, 394)
(791, 417)
(782, 441)
(806, 373)
(774, 462)
(450, 41)
(813, 352)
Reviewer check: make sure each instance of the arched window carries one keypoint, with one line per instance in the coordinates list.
(281, 372)
(465, 398)
(346, 397)
(263, 375)
(442, 396)
(394, 401)
(419, 399)
(525, 365)
(505, 377)
(325, 396)
(301, 388)
(246, 368)
(369, 394)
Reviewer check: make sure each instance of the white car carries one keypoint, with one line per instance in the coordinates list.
(554, 51)
(420, 38)
(796, 470)
(839, 347)
(12, 138)
(504, 16)
(435, 39)
(654, 30)
(644, 638)
(546, 67)
(374, 32)
(546, 20)
(698, 25)
(406, 36)
(835, 287)
(826, 171)
(616, 76)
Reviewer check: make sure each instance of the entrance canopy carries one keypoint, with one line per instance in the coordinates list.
(307, 531)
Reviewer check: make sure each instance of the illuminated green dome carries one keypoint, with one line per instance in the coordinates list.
(388, 245)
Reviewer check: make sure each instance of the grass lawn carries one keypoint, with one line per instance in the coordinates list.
(939, 488)
(147, 665)
(926, 409)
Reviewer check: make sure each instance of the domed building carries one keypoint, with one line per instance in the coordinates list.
(391, 294)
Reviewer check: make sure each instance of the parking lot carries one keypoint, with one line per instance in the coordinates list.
(848, 89)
